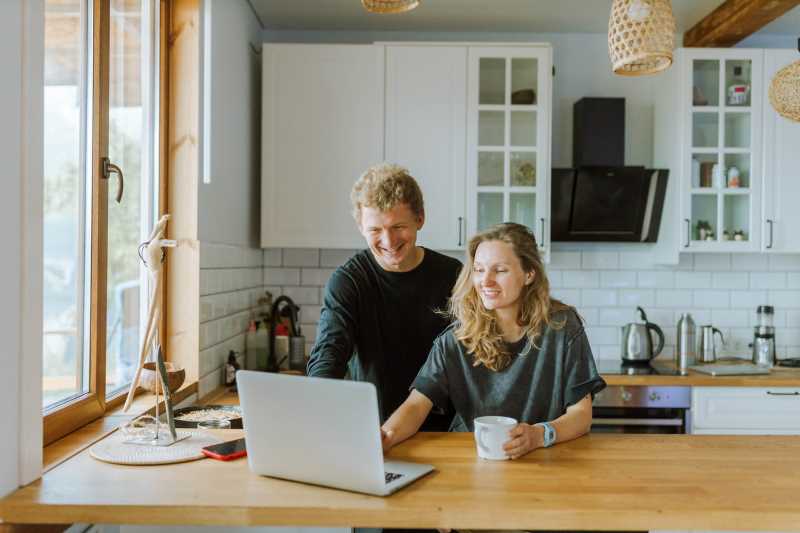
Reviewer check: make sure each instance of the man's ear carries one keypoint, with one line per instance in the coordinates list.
(421, 220)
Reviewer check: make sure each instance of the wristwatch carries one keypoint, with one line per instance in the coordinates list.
(549, 433)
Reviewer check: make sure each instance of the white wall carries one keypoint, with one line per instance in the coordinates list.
(229, 204)
(21, 60)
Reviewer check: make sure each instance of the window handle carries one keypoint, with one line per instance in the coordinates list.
(108, 169)
(460, 224)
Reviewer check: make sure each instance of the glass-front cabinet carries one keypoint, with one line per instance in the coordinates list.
(721, 189)
(508, 138)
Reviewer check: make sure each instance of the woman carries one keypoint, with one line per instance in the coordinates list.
(512, 351)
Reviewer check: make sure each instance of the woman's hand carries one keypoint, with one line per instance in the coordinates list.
(387, 439)
(524, 439)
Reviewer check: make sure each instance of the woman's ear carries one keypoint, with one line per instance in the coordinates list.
(529, 277)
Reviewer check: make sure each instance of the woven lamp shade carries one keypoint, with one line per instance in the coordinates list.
(641, 36)
(784, 92)
(389, 6)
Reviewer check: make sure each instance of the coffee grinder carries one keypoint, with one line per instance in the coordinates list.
(764, 336)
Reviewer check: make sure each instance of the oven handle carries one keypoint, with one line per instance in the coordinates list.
(637, 422)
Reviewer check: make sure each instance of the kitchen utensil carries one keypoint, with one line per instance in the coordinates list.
(686, 344)
(637, 341)
(290, 310)
(708, 350)
(764, 336)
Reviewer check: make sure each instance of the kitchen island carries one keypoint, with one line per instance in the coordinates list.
(597, 482)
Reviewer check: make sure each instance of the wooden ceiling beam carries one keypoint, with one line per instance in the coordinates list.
(734, 20)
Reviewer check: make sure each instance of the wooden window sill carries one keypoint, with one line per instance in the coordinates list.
(80, 439)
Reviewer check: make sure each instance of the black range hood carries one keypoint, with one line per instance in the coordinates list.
(600, 200)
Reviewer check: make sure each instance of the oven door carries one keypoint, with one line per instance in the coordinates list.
(640, 420)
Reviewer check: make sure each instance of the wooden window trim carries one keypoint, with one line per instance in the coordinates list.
(93, 405)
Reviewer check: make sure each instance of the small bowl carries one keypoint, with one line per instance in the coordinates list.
(175, 377)
(214, 424)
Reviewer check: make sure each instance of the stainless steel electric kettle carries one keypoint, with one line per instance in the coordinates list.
(637, 341)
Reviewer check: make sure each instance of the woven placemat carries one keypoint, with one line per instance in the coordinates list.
(113, 449)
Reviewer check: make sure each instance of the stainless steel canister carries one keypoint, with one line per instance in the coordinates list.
(686, 345)
(297, 352)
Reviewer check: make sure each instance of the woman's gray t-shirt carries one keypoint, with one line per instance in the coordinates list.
(538, 385)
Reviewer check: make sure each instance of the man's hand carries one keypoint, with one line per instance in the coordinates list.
(387, 439)
(524, 439)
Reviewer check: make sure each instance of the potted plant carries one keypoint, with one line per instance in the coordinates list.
(703, 229)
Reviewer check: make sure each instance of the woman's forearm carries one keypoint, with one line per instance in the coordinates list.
(577, 421)
(407, 419)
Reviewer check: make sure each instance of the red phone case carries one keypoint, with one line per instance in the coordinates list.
(223, 457)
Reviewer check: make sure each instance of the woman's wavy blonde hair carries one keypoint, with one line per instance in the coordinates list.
(477, 326)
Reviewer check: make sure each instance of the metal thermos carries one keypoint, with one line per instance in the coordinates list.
(297, 352)
(686, 345)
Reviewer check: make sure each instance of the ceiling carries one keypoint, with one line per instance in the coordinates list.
(536, 16)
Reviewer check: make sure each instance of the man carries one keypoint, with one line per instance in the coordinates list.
(380, 311)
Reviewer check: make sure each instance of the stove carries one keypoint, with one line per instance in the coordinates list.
(619, 368)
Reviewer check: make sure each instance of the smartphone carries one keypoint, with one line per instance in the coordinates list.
(225, 451)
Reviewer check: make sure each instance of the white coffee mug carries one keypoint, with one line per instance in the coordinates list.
(491, 432)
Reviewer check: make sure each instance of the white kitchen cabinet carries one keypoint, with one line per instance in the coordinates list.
(426, 93)
(508, 138)
(720, 133)
(322, 126)
(781, 219)
(745, 410)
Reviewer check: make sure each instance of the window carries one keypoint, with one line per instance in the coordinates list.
(101, 100)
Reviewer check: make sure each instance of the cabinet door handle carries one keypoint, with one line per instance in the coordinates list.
(460, 224)
(541, 240)
(688, 232)
(795, 393)
(771, 224)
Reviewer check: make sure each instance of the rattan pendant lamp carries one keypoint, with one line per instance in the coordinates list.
(641, 36)
(784, 91)
(389, 6)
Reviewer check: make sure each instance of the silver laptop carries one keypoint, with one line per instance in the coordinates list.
(320, 431)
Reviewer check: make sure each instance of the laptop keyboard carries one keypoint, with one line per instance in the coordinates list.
(391, 477)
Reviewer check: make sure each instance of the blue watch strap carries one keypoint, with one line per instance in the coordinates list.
(549, 433)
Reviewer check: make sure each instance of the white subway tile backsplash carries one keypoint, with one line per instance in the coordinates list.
(616, 316)
(730, 280)
(281, 276)
(569, 296)
(637, 297)
(674, 298)
(785, 263)
(748, 299)
(729, 318)
(606, 352)
(335, 258)
(693, 280)
(652, 279)
(749, 262)
(712, 299)
(273, 257)
(793, 319)
(793, 280)
(303, 295)
(578, 279)
(600, 260)
(768, 280)
(565, 260)
(786, 299)
(315, 276)
(300, 257)
(713, 262)
(597, 298)
(618, 279)
(590, 316)
(309, 314)
(603, 335)
(555, 278)
(636, 261)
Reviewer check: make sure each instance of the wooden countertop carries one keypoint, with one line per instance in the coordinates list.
(597, 482)
(778, 377)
